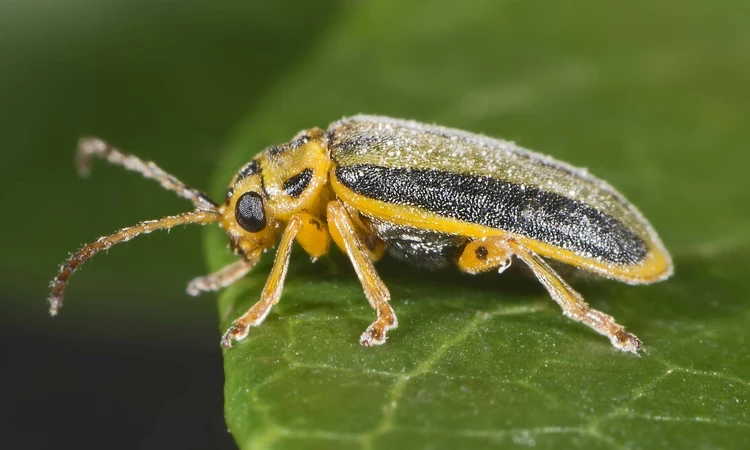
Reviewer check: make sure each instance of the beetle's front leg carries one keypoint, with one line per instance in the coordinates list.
(486, 253)
(343, 230)
(312, 235)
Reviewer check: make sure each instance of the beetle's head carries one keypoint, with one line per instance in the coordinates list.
(279, 182)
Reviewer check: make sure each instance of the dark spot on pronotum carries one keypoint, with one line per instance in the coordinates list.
(249, 212)
(297, 184)
(481, 253)
(251, 168)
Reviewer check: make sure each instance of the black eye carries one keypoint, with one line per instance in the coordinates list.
(249, 212)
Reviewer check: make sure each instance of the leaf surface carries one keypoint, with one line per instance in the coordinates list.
(645, 97)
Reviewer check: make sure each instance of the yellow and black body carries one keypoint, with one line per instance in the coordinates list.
(429, 195)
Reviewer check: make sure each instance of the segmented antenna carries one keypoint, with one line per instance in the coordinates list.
(124, 235)
(91, 146)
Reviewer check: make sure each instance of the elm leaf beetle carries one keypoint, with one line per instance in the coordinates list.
(430, 195)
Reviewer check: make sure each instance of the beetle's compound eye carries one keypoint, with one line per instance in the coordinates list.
(249, 212)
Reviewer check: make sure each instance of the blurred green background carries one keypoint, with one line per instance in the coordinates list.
(130, 355)
(652, 96)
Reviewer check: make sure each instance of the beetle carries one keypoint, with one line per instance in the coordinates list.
(430, 195)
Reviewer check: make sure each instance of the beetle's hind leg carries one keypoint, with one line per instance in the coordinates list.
(484, 254)
(478, 256)
(344, 233)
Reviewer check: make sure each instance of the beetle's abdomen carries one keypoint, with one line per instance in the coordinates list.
(417, 246)
(528, 211)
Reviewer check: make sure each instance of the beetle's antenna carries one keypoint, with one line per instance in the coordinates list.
(124, 235)
(91, 146)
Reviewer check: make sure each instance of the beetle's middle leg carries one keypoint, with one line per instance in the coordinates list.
(343, 231)
(481, 254)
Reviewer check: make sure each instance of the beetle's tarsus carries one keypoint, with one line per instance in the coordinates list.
(367, 339)
(198, 285)
(236, 332)
(376, 333)
(222, 278)
(373, 336)
(626, 342)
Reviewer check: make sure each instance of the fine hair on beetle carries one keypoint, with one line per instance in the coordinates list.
(432, 196)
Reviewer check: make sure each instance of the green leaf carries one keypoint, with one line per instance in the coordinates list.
(644, 96)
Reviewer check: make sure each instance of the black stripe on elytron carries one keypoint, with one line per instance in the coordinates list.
(524, 210)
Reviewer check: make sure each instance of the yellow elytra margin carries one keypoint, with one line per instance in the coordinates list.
(430, 195)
